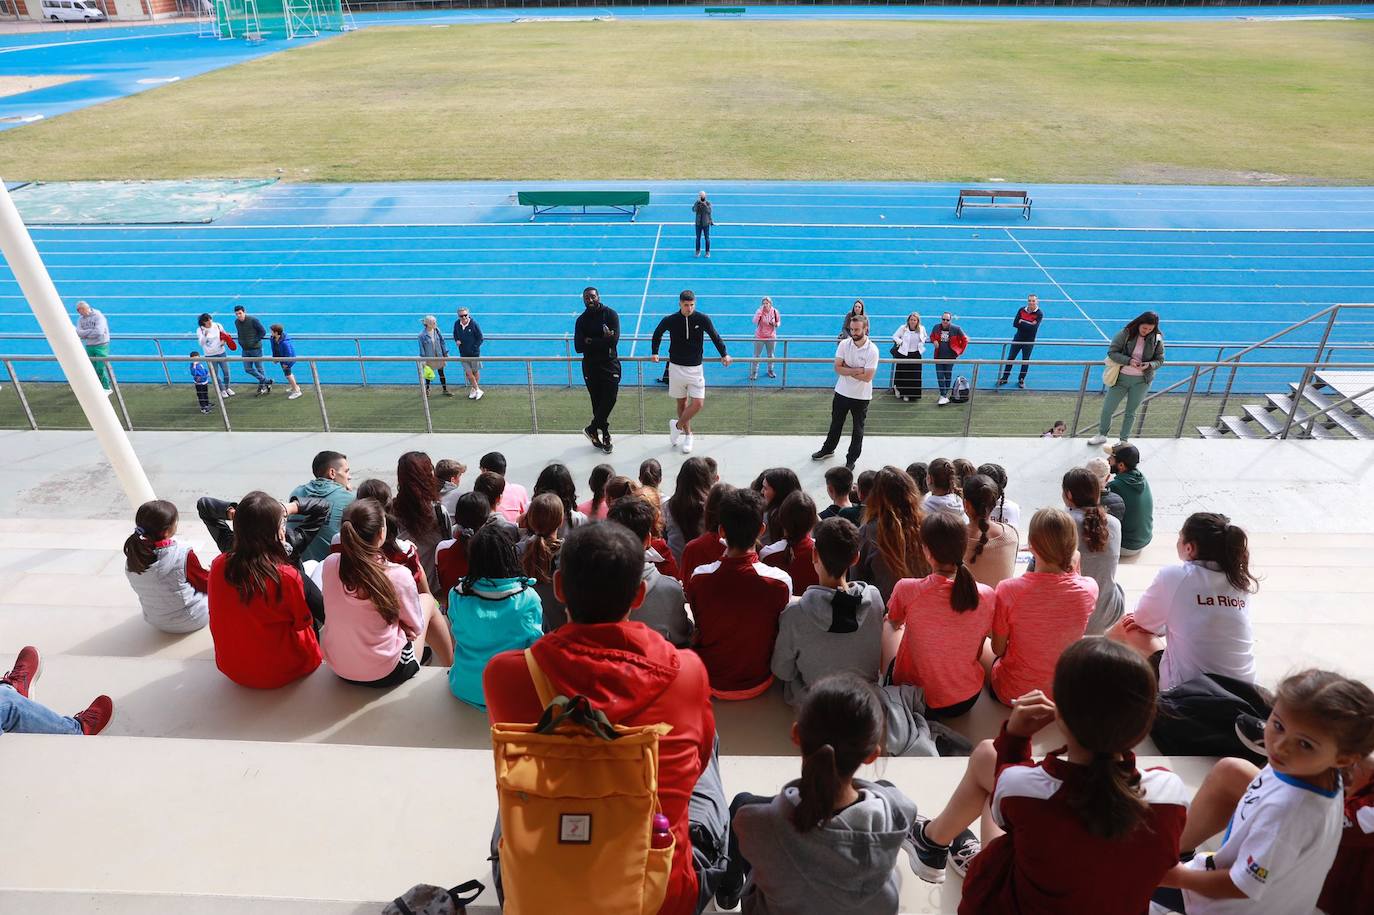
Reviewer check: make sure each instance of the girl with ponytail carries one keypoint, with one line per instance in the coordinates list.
(1122, 824)
(1204, 603)
(1099, 545)
(829, 841)
(1041, 613)
(595, 508)
(941, 622)
(944, 495)
(795, 552)
(538, 554)
(992, 545)
(374, 613)
(1007, 511)
(164, 572)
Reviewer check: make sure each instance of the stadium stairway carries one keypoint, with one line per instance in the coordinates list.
(325, 799)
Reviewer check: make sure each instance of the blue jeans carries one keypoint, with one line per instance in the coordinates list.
(252, 366)
(219, 364)
(24, 716)
(944, 368)
(704, 232)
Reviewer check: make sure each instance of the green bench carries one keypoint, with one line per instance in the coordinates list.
(611, 202)
(725, 11)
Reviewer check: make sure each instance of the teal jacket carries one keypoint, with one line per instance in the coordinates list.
(494, 615)
(1121, 349)
(338, 499)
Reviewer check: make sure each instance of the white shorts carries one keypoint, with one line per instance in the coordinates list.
(686, 381)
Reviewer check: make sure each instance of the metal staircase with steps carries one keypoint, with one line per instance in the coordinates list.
(1333, 405)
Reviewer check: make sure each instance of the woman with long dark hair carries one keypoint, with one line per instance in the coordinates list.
(1133, 357)
(260, 622)
(685, 511)
(416, 507)
(557, 479)
(890, 546)
(776, 484)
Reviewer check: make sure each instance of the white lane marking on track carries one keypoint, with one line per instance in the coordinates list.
(1061, 289)
(643, 299)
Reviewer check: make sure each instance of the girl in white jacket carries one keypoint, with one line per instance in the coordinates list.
(909, 346)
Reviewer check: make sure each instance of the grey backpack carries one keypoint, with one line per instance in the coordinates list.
(424, 899)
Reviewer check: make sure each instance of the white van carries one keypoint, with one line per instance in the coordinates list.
(72, 11)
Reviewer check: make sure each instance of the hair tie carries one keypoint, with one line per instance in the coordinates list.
(138, 531)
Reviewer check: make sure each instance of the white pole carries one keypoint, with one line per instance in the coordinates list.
(18, 249)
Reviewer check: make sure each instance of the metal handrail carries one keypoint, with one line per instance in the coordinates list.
(529, 362)
(1310, 419)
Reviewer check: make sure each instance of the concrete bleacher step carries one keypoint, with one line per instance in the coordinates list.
(333, 825)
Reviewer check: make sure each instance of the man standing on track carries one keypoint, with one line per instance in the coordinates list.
(686, 330)
(1027, 324)
(251, 333)
(468, 336)
(856, 362)
(701, 209)
(94, 332)
(596, 335)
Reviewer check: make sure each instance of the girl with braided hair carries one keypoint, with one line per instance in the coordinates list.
(1099, 545)
(992, 545)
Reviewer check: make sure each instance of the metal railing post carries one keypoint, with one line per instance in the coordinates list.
(319, 395)
(567, 354)
(749, 413)
(1078, 405)
(972, 386)
(362, 366)
(23, 398)
(424, 395)
(1139, 420)
(1212, 376)
(1297, 399)
(219, 398)
(1187, 404)
(161, 355)
(1226, 395)
(639, 370)
(119, 396)
(784, 364)
(529, 383)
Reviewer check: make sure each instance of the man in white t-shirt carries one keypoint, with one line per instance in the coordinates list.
(856, 361)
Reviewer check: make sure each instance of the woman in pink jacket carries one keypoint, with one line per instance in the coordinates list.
(766, 321)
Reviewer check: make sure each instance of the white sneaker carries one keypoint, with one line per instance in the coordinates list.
(472, 394)
(942, 401)
(228, 392)
(1097, 440)
(109, 392)
(478, 394)
(686, 444)
(293, 395)
(673, 433)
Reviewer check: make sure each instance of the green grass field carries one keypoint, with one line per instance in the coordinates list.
(396, 408)
(1202, 102)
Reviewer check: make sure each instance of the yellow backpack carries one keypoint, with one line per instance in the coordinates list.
(578, 797)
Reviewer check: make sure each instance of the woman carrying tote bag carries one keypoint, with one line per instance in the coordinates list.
(1134, 355)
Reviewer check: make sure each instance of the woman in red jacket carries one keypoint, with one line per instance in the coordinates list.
(261, 625)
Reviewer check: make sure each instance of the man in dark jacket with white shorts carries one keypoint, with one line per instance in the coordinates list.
(686, 329)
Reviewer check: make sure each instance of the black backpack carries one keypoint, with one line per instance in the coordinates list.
(1198, 717)
(424, 899)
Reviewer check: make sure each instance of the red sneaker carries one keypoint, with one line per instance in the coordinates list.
(96, 716)
(27, 667)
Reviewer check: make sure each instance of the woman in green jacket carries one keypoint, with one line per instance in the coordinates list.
(1136, 353)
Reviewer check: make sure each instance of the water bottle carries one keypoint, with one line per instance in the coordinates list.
(662, 834)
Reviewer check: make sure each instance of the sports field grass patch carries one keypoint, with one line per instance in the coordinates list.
(1213, 102)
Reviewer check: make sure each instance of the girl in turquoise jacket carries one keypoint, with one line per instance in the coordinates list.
(494, 608)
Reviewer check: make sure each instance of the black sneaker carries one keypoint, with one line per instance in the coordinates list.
(962, 850)
(822, 455)
(727, 897)
(1021, 385)
(1250, 731)
(927, 859)
(592, 436)
(849, 465)
(605, 443)
(662, 379)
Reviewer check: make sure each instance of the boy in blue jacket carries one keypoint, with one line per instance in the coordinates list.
(200, 374)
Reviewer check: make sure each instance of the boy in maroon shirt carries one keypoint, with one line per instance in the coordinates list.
(736, 602)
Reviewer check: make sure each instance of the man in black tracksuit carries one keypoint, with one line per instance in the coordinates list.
(1027, 324)
(596, 335)
(687, 330)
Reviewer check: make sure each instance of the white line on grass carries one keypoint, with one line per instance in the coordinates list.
(1061, 289)
(644, 299)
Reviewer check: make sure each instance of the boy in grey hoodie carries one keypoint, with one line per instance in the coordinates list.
(833, 627)
(664, 608)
